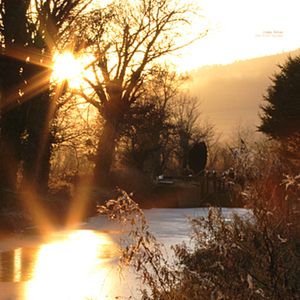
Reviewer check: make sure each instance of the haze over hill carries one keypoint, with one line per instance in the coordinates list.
(231, 94)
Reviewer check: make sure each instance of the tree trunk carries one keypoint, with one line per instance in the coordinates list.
(10, 151)
(37, 154)
(105, 154)
(12, 113)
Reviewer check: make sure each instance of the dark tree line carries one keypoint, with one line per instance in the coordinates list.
(30, 32)
(163, 126)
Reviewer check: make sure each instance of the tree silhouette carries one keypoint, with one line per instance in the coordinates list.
(281, 113)
(197, 157)
(189, 130)
(136, 35)
(148, 138)
(30, 32)
(12, 121)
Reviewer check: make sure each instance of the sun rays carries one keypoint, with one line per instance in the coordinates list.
(41, 73)
(67, 68)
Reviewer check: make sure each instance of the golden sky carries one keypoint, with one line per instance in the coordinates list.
(240, 29)
(237, 30)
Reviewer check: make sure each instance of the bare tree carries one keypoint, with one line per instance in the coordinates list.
(75, 146)
(189, 128)
(149, 133)
(137, 34)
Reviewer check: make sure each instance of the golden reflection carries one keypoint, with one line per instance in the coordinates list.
(1, 268)
(17, 264)
(76, 265)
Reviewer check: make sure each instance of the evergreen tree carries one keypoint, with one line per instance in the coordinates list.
(281, 113)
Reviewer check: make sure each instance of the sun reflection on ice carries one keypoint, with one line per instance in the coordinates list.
(76, 265)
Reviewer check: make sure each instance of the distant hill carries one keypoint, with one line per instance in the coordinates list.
(231, 94)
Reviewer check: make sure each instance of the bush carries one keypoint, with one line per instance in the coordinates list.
(140, 250)
(257, 257)
(253, 258)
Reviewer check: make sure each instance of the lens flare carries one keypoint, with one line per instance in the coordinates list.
(67, 68)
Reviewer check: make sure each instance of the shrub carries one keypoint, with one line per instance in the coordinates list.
(249, 258)
(253, 257)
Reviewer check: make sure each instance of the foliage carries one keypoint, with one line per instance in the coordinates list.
(281, 113)
(188, 128)
(163, 125)
(148, 134)
(141, 250)
(241, 260)
(249, 258)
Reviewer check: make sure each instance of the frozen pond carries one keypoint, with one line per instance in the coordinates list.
(81, 264)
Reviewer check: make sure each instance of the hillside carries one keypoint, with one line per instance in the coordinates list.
(231, 94)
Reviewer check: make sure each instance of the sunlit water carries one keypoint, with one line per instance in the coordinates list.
(82, 264)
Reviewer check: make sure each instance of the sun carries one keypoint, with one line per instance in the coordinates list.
(67, 67)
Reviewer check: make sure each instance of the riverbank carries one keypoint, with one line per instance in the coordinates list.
(82, 201)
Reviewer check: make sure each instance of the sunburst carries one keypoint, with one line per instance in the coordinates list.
(67, 67)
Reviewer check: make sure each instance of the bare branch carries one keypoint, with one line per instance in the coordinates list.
(98, 90)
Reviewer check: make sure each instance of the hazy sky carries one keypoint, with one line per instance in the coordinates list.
(240, 29)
